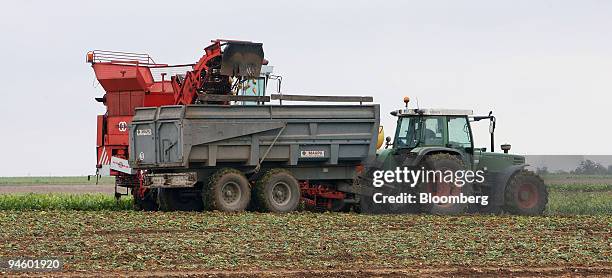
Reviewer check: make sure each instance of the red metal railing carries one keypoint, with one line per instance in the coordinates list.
(117, 57)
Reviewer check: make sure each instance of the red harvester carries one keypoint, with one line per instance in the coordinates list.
(133, 80)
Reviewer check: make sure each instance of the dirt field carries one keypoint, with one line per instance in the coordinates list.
(58, 188)
(206, 244)
(75, 185)
(602, 271)
(310, 244)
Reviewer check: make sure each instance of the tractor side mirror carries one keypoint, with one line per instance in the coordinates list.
(387, 142)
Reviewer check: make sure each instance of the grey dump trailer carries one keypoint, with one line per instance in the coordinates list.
(269, 157)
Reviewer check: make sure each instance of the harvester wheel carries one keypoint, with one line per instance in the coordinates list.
(278, 191)
(444, 162)
(526, 194)
(228, 190)
(179, 199)
(148, 202)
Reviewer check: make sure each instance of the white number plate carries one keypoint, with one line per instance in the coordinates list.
(311, 154)
(143, 132)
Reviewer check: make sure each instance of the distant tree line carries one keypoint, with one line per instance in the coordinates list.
(586, 167)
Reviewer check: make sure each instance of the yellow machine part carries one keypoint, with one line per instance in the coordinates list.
(381, 137)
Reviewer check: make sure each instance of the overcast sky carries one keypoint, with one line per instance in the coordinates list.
(543, 67)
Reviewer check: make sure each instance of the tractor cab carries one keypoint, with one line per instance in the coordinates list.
(433, 128)
(426, 131)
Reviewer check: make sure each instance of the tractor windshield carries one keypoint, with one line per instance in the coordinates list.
(408, 133)
(417, 131)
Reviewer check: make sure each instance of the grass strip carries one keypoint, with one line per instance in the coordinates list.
(57, 201)
(573, 203)
(560, 202)
(581, 187)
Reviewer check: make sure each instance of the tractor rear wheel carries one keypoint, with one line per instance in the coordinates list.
(367, 203)
(148, 202)
(367, 206)
(278, 191)
(526, 194)
(179, 199)
(227, 190)
(440, 189)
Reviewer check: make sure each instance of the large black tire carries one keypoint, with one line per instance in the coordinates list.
(278, 191)
(179, 199)
(148, 202)
(444, 162)
(490, 208)
(525, 194)
(227, 190)
(367, 204)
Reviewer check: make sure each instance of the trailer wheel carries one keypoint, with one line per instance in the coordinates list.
(228, 190)
(278, 191)
(179, 199)
(526, 194)
(148, 202)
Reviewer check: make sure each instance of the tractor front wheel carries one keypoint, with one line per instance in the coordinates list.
(526, 194)
(228, 190)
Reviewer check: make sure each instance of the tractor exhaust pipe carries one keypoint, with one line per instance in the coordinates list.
(492, 130)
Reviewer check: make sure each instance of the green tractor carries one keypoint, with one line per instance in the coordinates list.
(455, 177)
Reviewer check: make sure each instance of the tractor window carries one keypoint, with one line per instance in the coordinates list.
(408, 132)
(459, 132)
(433, 131)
